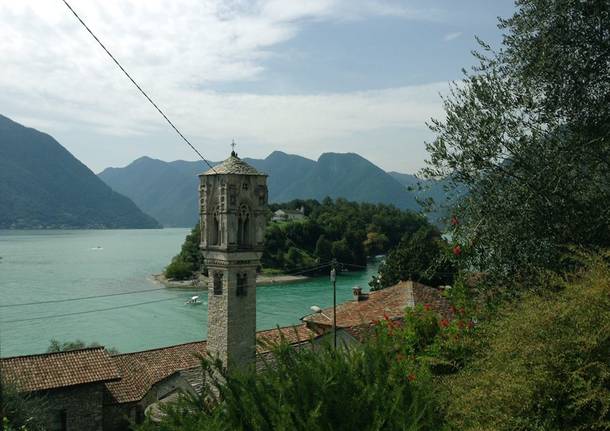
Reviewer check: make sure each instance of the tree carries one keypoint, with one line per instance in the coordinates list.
(527, 132)
(421, 257)
(375, 243)
(23, 411)
(341, 251)
(190, 260)
(324, 250)
(57, 346)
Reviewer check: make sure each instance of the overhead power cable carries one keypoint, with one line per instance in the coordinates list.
(137, 85)
(82, 298)
(76, 313)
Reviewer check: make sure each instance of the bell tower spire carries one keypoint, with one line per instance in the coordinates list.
(233, 198)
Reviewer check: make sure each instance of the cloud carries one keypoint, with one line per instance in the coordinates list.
(54, 75)
(452, 36)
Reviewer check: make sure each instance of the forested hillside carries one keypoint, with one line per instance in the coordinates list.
(42, 185)
(348, 232)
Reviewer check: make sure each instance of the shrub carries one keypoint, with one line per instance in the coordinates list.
(543, 364)
(179, 269)
(310, 389)
(22, 411)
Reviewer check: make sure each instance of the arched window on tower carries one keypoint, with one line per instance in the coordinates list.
(215, 228)
(243, 226)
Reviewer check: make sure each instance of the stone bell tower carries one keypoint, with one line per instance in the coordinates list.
(233, 198)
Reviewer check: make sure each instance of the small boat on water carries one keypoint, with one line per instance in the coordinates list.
(194, 301)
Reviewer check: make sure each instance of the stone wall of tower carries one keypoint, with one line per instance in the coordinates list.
(232, 251)
(221, 198)
(232, 316)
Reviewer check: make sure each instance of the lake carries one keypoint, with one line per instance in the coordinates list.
(51, 265)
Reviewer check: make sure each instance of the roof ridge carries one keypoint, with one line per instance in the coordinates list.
(233, 166)
(159, 348)
(63, 352)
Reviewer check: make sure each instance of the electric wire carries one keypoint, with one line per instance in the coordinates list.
(82, 298)
(76, 313)
(137, 85)
(108, 295)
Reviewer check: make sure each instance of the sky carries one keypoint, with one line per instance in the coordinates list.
(300, 76)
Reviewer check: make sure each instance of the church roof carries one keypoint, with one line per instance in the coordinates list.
(233, 165)
(57, 370)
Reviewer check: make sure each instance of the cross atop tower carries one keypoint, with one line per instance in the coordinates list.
(233, 144)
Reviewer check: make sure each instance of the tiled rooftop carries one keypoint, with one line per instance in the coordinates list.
(57, 370)
(128, 377)
(141, 370)
(390, 302)
(233, 165)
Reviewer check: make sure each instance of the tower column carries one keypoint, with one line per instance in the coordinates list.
(233, 198)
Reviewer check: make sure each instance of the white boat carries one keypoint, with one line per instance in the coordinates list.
(193, 301)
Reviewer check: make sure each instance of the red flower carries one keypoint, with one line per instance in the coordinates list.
(411, 377)
(470, 324)
(454, 221)
(386, 317)
(457, 250)
(427, 307)
(444, 323)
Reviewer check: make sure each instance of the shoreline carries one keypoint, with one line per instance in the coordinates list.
(201, 282)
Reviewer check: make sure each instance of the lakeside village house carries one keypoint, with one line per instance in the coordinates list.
(288, 215)
(90, 389)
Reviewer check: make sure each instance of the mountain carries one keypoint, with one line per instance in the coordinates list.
(348, 176)
(168, 190)
(42, 185)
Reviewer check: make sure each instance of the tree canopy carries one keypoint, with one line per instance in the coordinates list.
(527, 132)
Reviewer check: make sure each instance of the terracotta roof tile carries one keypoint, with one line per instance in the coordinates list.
(292, 334)
(390, 302)
(57, 370)
(141, 370)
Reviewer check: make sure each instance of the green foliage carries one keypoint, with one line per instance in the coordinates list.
(422, 257)
(184, 265)
(346, 231)
(528, 133)
(376, 243)
(23, 412)
(57, 346)
(324, 249)
(543, 363)
(310, 389)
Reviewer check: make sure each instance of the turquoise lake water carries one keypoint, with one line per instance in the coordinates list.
(51, 265)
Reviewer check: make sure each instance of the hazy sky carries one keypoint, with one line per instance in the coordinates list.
(303, 77)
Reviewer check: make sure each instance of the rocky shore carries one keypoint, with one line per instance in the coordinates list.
(201, 282)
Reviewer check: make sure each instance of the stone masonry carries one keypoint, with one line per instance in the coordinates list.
(233, 198)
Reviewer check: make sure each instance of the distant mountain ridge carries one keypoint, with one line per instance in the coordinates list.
(168, 190)
(42, 185)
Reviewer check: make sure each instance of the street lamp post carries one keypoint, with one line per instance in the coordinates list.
(333, 280)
